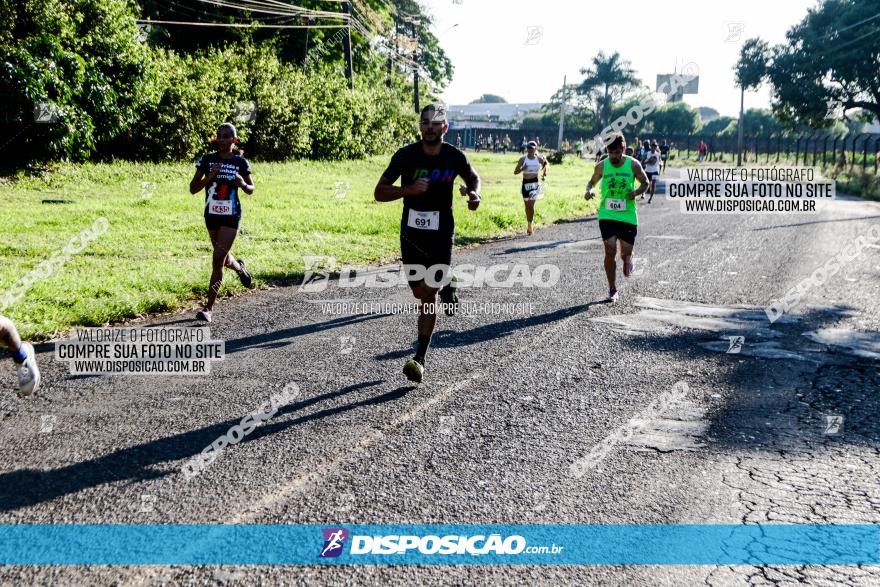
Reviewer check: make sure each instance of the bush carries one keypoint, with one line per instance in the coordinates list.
(81, 59)
(115, 96)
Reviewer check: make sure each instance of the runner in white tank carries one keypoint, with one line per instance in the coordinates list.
(531, 165)
(652, 169)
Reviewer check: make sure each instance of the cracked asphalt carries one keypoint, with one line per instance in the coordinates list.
(784, 431)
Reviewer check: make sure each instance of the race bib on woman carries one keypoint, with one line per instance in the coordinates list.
(222, 204)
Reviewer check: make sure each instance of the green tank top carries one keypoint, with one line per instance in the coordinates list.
(616, 183)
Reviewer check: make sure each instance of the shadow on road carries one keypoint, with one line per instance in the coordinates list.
(494, 330)
(23, 488)
(280, 338)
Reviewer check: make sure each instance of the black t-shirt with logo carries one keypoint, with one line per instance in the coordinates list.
(429, 213)
(223, 188)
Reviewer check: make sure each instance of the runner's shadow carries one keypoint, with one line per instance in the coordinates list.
(28, 487)
(492, 331)
(281, 338)
(534, 247)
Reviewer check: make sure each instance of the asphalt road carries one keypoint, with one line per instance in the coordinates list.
(510, 403)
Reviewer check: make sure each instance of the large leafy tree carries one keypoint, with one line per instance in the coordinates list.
(714, 127)
(608, 79)
(676, 118)
(828, 66)
(489, 99)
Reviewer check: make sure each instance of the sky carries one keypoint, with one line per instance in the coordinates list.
(521, 49)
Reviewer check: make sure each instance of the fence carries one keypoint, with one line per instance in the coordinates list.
(817, 149)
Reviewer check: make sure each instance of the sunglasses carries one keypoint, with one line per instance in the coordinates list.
(225, 137)
(431, 122)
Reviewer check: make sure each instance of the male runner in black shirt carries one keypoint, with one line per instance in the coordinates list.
(427, 170)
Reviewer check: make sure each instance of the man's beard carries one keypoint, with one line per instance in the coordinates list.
(437, 139)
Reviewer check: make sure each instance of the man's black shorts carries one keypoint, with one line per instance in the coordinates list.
(215, 221)
(426, 251)
(622, 230)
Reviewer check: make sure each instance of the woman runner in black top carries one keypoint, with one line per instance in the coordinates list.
(221, 174)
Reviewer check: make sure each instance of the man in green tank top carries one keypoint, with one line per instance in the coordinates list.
(617, 209)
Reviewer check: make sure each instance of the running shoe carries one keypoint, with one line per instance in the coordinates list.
(28, 372)
(414, 370)
(244, 276)
(627, 268)
(530, 229)
(204, 315)
(612, 295)
(449, 296)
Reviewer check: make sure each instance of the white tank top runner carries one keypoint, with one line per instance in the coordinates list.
(531, 166)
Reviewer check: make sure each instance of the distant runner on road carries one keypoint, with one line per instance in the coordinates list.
(664, 154)
(532, 190)
(652, 169)
(23, 356)
(427, 170)
(617, 209)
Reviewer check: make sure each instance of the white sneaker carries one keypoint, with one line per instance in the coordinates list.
(28, 372)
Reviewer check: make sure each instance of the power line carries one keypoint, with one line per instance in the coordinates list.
(827, 35)
(253, 8)
(243, 25)
(177, 7)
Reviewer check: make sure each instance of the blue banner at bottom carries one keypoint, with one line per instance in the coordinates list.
(108, 544)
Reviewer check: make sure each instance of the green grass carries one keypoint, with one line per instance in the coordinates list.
(155, 255)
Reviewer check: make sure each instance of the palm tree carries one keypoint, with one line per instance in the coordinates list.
(608, 79)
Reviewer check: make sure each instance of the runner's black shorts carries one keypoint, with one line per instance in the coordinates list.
(527, 194)
(652, 175)
(215, 221)
(426, 251)
(622, 230)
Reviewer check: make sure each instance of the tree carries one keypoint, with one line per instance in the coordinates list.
(714, 127)
(760, 122)
(676, 118)
(80, 64)
(828, 64)
(752, 65)
(579, 117)
(630, 102)
(708, 114)
(750, 70)
(489, 99)
(607, 81)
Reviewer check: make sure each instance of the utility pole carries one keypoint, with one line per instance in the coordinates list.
(562, 113)
(740, 125)
(346, 42)
(415, 67)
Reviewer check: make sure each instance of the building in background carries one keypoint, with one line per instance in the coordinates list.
(487, 116)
